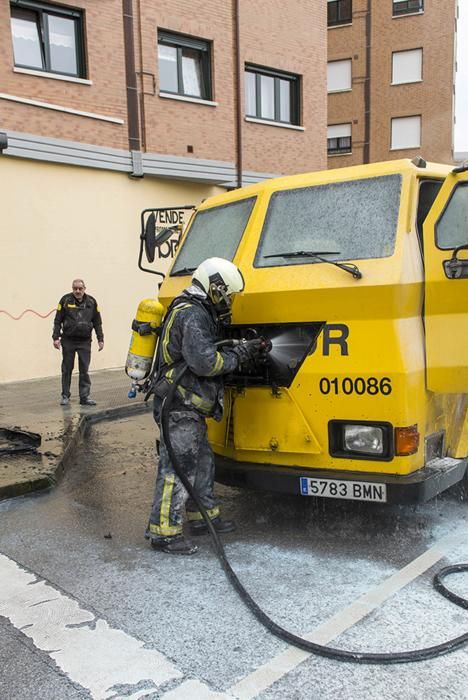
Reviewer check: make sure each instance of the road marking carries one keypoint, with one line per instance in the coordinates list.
(196, 690)
(89, 651)
(270, 672)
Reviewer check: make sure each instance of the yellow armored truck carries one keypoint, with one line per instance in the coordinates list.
(359, 278)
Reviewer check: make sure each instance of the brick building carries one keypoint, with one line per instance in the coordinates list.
(391, 69)
(174, 88)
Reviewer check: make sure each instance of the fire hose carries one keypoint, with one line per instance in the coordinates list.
(311, 647)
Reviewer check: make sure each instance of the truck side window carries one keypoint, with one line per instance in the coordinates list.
(428, 191)
(452, 227)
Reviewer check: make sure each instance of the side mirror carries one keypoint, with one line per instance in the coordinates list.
(149, 237)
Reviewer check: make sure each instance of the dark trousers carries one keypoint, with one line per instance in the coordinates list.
(194, 454)
(83, 349)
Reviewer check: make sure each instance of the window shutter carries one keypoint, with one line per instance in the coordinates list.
(338, 131)
(406, 132)
(339, 75)
(407, 66)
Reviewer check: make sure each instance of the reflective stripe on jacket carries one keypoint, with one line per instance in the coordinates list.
(77, 320)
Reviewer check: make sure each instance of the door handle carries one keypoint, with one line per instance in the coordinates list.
(456, 268)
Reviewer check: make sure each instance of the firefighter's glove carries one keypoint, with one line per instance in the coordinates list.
(250, 351)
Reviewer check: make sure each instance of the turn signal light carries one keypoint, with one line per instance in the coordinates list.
(406, 441)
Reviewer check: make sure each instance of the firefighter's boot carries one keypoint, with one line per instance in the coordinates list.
(199, 527)
(177, 544)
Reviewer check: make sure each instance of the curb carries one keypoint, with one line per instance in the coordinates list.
(48, 481)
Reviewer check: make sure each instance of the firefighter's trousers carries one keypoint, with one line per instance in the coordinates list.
(195, 457)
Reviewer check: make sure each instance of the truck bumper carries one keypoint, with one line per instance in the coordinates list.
(418, 487)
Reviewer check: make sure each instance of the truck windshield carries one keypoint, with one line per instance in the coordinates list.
(358, 218)
(214, 232)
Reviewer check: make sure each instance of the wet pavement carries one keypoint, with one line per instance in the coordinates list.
(35, 406)
(310, 564)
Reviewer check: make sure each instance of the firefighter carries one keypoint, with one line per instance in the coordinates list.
(189, 334)
(77, 315)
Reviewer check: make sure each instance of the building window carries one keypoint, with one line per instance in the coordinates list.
(407, 7)
(271, 95)
(184, 65)
(339, 75)
(47, 38)
(407, 66)
(339, 139)
(339, 12)
(406, 132)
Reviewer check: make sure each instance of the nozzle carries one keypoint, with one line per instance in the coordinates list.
(250, 334)
(267, 345)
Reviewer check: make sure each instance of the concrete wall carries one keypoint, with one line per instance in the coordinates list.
(60, 222)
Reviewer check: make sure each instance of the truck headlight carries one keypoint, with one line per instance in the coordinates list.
(350, 439)
(367, 439)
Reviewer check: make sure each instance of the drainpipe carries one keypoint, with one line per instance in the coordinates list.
(238, 91)
(367, 85)
(142, 87)
(132, 90)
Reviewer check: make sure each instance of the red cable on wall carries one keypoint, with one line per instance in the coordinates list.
(17, 318)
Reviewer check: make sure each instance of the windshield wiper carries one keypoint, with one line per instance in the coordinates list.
(183, 271)
(347, 267)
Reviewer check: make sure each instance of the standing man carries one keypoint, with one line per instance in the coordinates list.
(77, 315)
(189, 335)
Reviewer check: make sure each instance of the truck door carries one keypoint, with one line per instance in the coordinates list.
(445, 234)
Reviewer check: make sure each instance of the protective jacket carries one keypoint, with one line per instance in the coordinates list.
(189, 334)
(76, 320)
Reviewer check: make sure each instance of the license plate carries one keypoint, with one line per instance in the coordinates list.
(350, 490)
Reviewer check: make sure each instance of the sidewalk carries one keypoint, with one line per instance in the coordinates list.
(34, 406)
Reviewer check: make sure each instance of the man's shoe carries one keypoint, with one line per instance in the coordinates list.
(64, 401)
(199, 527)
(176, 544)
(87, 402)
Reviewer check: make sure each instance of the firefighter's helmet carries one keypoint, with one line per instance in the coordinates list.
(220, 279)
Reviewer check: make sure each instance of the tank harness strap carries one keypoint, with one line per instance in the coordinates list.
(197, 402)
(171, 316)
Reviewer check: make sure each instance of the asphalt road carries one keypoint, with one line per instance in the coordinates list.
(88, 610)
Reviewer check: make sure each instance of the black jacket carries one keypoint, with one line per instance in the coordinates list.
(76, 320)
(189, 334)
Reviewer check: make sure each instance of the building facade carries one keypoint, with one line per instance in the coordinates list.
(391, 77)
(110, 107)
(196, 85)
